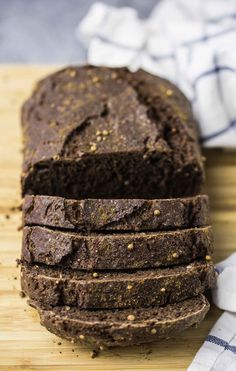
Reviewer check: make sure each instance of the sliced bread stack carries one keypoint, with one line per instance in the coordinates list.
(116, 243)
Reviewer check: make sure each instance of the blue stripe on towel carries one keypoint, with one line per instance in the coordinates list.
(221, 18)
(208, 37)
(161, 57)
(222, 343)
(213, 71)
(167, 56)
(231, 125)
(106, 40)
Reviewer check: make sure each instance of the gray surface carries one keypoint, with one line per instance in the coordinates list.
(43, 31)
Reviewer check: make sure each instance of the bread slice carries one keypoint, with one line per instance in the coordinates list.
(125, 327)
(116, 214)
(93, 132)
(115, 251)
(143, 288)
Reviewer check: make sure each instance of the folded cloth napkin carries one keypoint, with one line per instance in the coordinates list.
(218, 352)
(192, 43)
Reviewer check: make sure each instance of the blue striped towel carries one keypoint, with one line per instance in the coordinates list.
(192, 43)
(218, 352)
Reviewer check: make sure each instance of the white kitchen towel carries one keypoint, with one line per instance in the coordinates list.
(224, 295)
(192, 43)
(218, 352)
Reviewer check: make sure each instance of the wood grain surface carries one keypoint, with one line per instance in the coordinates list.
(24, 344)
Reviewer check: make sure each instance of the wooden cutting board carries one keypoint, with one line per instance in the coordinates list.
(24, 344)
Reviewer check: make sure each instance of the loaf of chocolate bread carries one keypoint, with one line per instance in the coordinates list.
(115, 251)
(93, 132)
(135, 289)
(109, 328)
(116, 214)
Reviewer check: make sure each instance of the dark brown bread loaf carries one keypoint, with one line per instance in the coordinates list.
(116, 214)
(57, 286)
(115, 251)
(111, 328)
(107, 133)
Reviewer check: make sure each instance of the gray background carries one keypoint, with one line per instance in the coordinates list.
(43, 31)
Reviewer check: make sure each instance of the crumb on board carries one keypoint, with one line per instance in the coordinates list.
(18, 263)
(94, 353)
(16, 208)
